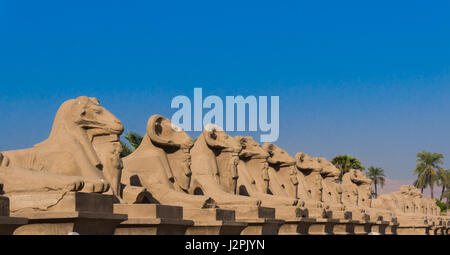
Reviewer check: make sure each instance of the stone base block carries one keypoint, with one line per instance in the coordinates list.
(340, 215)
(293, 219)
(151, 219)
(213, 222)
(380, 227)
(261, 226)
(290, 212)
(362, 227)
(254, 212)
(413, 230)
(391, 229)
(360, 216)
(343, 227)
(4, 206)
(259, 220)
(317, 213)
(9, 224)
(321, 226)
(83, 213)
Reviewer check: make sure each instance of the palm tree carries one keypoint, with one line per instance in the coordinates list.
(134, 139)
(444, 181)
(126, 150)
(376, 174)
(447, 196)
(346, 162)
(428, 165)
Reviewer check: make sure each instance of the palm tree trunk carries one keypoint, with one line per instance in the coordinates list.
(376, 192)
(431, 190)
(448, 199)
(442, 193)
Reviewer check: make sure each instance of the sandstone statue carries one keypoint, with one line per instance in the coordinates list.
(282, 171)
(148, 166)
(108, 149)
(398, 202)
(363, 186)
(350, 196)
(254, 180)
(69, 150)
(213, 178)
(310, 180)
(331, 189)
(69, 160)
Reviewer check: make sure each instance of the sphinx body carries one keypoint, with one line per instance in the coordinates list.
(363, 186)
(282, 171)
(402, 205)
(69, 149)
(148, 166)
(214, 178)
(108, 149)
(66, 161)
(254, 180)
(331, 190)
(350, 192)
(310, 180)
(407, 204)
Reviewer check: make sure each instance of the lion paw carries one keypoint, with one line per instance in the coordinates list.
(96, 186)
(76, 185)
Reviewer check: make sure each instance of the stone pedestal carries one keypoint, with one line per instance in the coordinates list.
(361, 223)
(413, 225)
(380, 227)
(321, 226)
(343, 227)
(83, 213)
(260, 220)
(317, 213)
(151, 219)
(413, 229)
(8, 224)
(213, 222)
(391, 229)
(339, 214)
(298, 221)
(341, 220)
(295, 221)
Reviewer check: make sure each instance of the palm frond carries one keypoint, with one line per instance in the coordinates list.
(126, 150)
(134, 139)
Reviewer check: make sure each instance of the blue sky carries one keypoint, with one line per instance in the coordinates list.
(370, 79)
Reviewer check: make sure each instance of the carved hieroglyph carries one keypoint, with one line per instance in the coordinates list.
(254, 180)
(148, 166)
(69, 160)
(214, 178)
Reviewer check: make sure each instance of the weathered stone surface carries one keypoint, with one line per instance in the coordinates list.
(254, 180)
(217, 179)
(84, 213)
(148, 166)
(213, 222)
